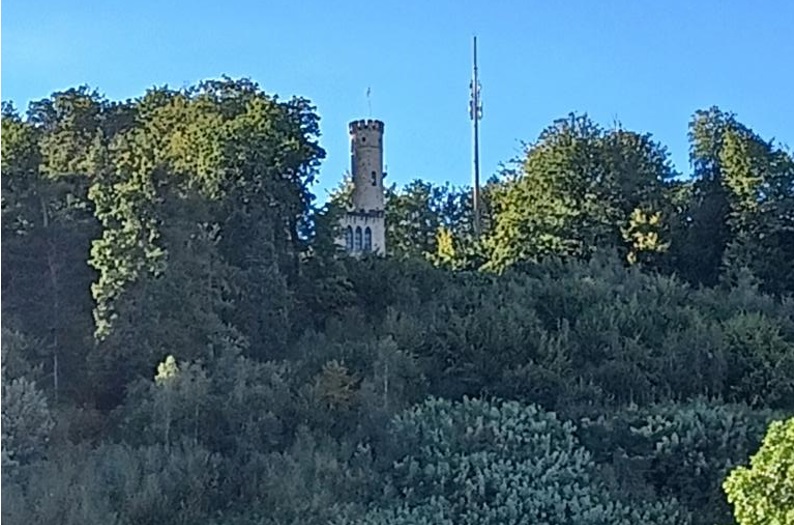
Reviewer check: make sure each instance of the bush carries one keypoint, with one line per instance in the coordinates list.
(764, 493)
(27, 422)
(116, 484)
(481, 462)
(683, 451)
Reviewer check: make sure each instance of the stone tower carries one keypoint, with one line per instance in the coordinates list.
(364, 224)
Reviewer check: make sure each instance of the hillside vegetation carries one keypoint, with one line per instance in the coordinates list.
(184, 343)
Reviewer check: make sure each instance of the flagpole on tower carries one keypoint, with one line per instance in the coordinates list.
(475, 113)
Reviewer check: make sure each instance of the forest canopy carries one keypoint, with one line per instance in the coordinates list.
(183, 341)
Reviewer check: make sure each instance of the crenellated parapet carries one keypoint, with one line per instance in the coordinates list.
(365, 125)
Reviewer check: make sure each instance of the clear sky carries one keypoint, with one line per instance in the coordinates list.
(648, 64)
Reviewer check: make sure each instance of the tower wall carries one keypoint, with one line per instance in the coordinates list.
(363, 227)
(366, 162)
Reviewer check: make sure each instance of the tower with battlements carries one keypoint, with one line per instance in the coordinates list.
(364, 224)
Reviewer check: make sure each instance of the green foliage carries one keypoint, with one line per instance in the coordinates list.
(351, 384)
(27, 422)
(18, 350)
(563, 335)
(232, 366)
(117, 484)
(764, 493)
(739, 212)
(236, 405)
(244, 159)
(704, 234)
(313, 482)
(46, 227)
(760, 182)
(416, 213)
(761, 366)
(576, 191)
(682, 451)
(200, 195)
(477, 462)
(642, 234)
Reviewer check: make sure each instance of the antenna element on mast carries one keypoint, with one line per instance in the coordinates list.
(475, 113)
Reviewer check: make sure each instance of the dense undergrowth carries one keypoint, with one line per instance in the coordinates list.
(182, 343)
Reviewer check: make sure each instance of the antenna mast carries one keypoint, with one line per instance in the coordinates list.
(475, 113)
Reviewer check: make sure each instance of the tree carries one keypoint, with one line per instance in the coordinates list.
(761, 361)
(678, 450)
(701, 245)
(117, 484)
(47, 227)
(759, 179)
(26, 420)
(738, 213)
(418, 212)
(579, 189)
(201, 203)
(478, 462)
(764, 493)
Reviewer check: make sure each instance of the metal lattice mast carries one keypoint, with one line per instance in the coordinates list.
(475, 113)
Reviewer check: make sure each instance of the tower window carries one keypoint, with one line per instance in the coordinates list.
(374, 178)
(358, 239)
(367, 240)
(349, 239)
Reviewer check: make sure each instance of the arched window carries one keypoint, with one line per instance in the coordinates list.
(349, 239)
(374, 178)
(358, 239)
(367, 240)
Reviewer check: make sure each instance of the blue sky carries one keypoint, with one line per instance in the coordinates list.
(649, 65)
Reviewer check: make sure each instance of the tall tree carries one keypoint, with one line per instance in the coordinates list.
(202, 203)
(759, 180)
(700, 244)
(738, 212)
(47, 227)
(579, 189)
(417, 213)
